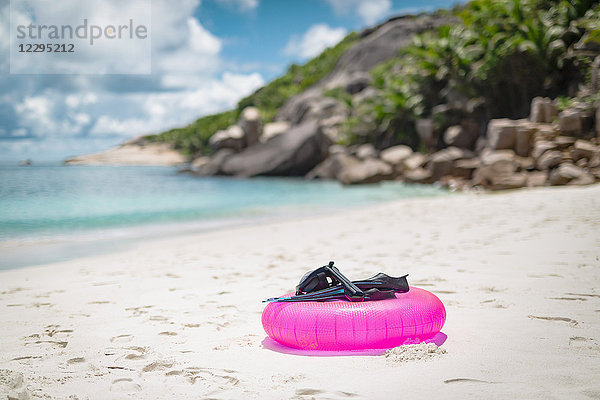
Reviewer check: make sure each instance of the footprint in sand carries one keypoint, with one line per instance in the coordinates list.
(137, 311)
(25, 358)
(139, 353)
(467, 380)
(492, 289)
(121, 338)
(243, 341)
(563, 319)
(52, 343)
(493, 303)
(584, 343)
(51, 330)
(133, 356)
(223, 378)
(583, 294)
(13, 385)
(303, 393)
(568, 298)
(125, 385)
(157, 366)
(158, 318)
(308, 392)
(288, 379)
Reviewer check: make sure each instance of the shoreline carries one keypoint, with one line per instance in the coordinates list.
(179, 317)
(55, 243)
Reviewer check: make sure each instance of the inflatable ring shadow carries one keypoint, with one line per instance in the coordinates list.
(270, 344)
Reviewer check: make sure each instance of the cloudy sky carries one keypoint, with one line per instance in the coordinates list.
(206, 55)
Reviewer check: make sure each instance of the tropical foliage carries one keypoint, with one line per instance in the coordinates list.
(193, 138)
(498, 56)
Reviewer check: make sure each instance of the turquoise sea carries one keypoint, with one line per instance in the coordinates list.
(85, 206)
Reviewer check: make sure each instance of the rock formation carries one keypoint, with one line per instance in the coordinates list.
(515, 153)
(293, 153)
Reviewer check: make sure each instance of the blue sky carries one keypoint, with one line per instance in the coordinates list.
(206, 55)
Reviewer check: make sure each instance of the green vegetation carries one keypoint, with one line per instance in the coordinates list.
(193, 139)
(298, 78)
(501, 55)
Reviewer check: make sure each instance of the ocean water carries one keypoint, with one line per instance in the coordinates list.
(43, 204)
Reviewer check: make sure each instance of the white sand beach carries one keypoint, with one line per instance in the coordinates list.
(518, 272)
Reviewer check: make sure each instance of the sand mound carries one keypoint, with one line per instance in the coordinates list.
(413, 352)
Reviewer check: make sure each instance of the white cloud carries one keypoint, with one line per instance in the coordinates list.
(81, 118)
(194, 61)
(4, 35)
(158, 111)
(19, 132)
(75, 100)
(316, 39)
(42, 115)
(373, 10)
(369, 11)
(241, 5)
(35, 113)
(51, 114)
(189, 79)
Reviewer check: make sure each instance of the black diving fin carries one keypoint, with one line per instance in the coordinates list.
(328, 283)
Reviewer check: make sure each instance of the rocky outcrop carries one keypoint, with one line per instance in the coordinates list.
(567, 173)
(293, 153)
(502, 133)
(366, 151)
(231, 138)
(396, 155)
(273, 129)
(569, 122)
(197, 164)
(414, 161)
(498, 170)
(515, 153)
(598, 121)
(463, 136)
(250, 122)
(465, 168)
(549, 159)
(352, 70)
(138, 151)
(333, 166)
(543, 110)
(442, 162)
(214, 164)
(584, 149)
(370, 170)
(379, 44)
(418, 175)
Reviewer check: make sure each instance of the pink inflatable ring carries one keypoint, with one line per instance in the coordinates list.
(343, 325)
